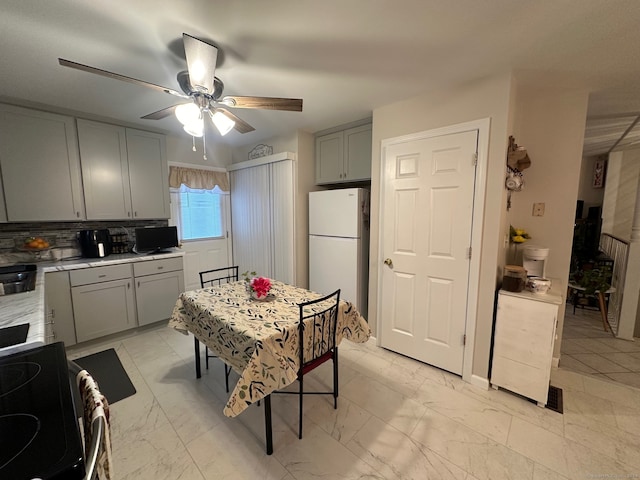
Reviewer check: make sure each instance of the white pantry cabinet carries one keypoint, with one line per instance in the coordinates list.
(40, 166)
(344, 156)
(523, 342)
(158, 285)
(125, 172)
(263, 196)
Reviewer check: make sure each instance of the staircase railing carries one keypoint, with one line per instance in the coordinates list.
(618, 250)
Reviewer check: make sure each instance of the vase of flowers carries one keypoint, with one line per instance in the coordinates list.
(260, 287)
(518, 235)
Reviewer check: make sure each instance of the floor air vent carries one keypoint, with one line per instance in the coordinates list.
(554, 400)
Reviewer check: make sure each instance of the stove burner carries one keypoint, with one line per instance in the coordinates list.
(15, 375)
(24, 428)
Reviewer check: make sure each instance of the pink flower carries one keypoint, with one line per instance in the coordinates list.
(261, 285)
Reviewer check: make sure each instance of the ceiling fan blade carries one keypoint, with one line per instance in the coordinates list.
(241, 126)
(165, 112)
(117, 76)
(201, 63)
(268, 103)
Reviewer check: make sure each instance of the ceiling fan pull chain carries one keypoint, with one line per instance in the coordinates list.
(204, 146)
(194, 143)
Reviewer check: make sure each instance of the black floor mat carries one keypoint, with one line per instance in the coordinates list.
(554, 399)
(106, 369)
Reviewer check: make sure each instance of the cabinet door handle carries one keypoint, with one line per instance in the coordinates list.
(101, 276)
(135, 214)
(160, 268)
(77, 214)
(138, 283)
(128, 285)
(53, 313)
(128, 214)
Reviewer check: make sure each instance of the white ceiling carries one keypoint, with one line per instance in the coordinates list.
(342, 57)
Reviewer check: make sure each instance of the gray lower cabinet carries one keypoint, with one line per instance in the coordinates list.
(103, 301)
(59, 309)
(158, 284)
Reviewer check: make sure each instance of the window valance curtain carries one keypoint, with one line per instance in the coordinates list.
(195, 178)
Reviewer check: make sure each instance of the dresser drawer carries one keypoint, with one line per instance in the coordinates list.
(173, 264)
(107, 273)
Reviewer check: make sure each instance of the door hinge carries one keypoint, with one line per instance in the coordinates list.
(474, 160)
(469, 253)
(464, 339)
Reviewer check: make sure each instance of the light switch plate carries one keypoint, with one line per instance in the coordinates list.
(538, 209)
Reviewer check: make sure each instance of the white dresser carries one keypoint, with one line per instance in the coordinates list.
(523, 342)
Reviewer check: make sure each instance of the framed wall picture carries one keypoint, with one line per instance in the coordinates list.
(599, 168)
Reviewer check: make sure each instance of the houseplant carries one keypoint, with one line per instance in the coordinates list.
(592, 279)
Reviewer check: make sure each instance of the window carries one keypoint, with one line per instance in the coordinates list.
(198, 213)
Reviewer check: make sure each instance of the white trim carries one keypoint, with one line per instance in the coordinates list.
(196, 166)
(276, 157)
(555, 362)
(480, 382)
(483, 126)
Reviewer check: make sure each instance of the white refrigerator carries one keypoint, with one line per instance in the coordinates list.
(339, 244)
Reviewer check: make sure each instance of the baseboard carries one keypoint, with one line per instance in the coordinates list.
(480, 382)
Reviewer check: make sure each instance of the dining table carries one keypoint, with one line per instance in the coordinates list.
(258, 339)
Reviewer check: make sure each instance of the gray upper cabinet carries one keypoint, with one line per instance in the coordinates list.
(40, 166)
(148, 174)
(124, 172)
(344, 156)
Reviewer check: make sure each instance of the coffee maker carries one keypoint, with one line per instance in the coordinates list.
(534, 259)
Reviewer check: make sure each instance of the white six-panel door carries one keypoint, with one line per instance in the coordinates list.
(427, 207)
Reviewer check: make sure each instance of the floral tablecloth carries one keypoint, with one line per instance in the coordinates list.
(259, 340)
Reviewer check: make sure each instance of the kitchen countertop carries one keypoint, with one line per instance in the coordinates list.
(554, 295)
(29, 307)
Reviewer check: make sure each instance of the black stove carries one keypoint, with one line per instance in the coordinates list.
(39, 434)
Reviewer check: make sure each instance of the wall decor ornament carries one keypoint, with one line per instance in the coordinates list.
(260, 150)
(598, 173)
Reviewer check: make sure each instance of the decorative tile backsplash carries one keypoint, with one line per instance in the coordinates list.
(64, 233)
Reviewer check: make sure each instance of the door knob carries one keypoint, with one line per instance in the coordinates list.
(389, 262)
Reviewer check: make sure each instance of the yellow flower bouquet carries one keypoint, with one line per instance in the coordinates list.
(518, 235)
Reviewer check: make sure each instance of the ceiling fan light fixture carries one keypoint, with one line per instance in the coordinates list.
(187, 113)
(195, 128)
(223, 123)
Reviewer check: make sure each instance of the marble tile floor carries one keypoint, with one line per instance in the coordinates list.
(588, 349)
(396, 419)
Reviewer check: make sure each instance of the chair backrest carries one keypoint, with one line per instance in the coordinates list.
(95, 426)
(218, 276)
(317, 329)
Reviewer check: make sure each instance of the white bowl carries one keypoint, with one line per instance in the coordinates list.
(538, 285)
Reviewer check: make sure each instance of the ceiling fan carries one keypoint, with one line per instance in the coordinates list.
(203, 90)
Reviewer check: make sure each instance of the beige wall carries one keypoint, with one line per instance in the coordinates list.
(484, 98)
(180, 149)
(549, 123)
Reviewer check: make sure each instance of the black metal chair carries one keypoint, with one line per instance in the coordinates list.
(317, 332)
(210, 278)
